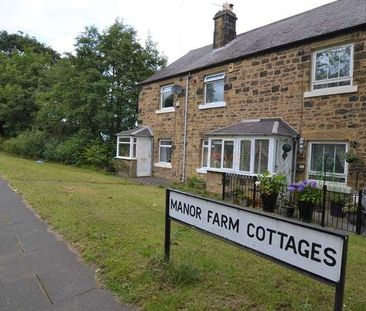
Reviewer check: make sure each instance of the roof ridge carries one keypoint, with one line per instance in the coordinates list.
(286, 18)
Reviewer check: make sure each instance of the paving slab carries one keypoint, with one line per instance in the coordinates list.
(94, 300)
(40, 272)
(25, 294)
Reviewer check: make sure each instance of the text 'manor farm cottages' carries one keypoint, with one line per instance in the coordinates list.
(231, 106)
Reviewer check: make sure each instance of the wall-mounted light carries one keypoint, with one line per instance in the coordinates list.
(301, 145)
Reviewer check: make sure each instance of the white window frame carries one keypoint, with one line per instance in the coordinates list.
(131, 143)
(205, 145)
(310, 172)
(160, 163)
(209, 79)
(236, 155)
(331, 90)
(165, 89)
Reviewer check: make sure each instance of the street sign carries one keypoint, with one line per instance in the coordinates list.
(314, 251)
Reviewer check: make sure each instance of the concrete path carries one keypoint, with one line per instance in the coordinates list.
(39, 272)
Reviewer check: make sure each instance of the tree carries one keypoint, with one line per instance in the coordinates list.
(23, 63)
(97, 89)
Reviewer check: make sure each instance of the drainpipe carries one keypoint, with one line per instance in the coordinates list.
(294, 160)
(185, 129)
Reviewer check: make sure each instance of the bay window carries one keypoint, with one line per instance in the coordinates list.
(249, 155)
(126, 147)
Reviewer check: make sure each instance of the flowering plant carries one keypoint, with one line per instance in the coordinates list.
(271, 183)
(307, 191)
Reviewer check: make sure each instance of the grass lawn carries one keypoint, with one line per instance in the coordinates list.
(119, 227)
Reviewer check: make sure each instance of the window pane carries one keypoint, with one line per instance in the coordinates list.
(204, 153)
(245, 149)
(333, 64)
(165, 154)
(167, 100)
(166, 142)
(261, 156)
(321, 66)
(124, 150)
(228, 154)
(316, 163)
(215, 91)
(124, 140)
(134, 150)
(216, 148)
(345, 62)
(339, 159)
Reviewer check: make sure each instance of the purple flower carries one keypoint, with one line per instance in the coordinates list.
(301, 187)
(292, 188)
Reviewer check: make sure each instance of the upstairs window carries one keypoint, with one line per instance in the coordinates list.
(126, 147)
(166, 97)
(214, 88)
(333, 67)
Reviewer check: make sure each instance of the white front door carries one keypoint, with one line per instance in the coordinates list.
(143, 156)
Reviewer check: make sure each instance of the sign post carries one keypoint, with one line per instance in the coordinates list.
(316, 252)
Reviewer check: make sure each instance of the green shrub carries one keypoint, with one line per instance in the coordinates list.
(69, 151)
(30, 143)
(97, 154)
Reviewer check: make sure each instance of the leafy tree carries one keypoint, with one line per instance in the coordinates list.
(21, 76)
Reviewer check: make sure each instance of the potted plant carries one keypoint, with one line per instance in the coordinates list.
(308, 197)
(270, 185)
(337, 203)
(352, 158)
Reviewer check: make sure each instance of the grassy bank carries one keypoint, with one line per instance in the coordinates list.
(119, 227)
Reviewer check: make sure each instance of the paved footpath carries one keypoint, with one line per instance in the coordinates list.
(39, 272)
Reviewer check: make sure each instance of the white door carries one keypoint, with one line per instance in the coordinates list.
(143, 156)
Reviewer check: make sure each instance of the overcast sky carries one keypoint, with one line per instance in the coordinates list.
(176, 25)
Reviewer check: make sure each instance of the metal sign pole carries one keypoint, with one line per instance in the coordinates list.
(339, 292)
(167, 227)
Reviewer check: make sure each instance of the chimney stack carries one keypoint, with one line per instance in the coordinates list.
(225, 26)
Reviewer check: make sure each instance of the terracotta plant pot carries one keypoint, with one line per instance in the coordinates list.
(306, 211)
(269, 202)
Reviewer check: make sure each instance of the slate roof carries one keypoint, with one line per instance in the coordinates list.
(328, 19)
(143, 131)
(270, 126)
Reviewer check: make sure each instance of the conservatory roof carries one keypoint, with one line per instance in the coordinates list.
(141, 131)
(270, 126)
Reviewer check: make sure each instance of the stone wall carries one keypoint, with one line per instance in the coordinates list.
(266, 85)
(125, 167)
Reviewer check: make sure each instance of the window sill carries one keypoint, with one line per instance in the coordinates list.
(212, 105)
(165, 110)
(125, 158)
(163, 165)
(202, 170)
(332, 91)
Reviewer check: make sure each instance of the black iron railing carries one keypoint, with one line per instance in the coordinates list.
(339, 210)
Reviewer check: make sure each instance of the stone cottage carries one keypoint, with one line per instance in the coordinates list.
(287, 97)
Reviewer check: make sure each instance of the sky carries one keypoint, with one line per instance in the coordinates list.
(177, 26)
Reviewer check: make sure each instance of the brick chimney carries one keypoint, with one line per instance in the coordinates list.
(225, 26)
